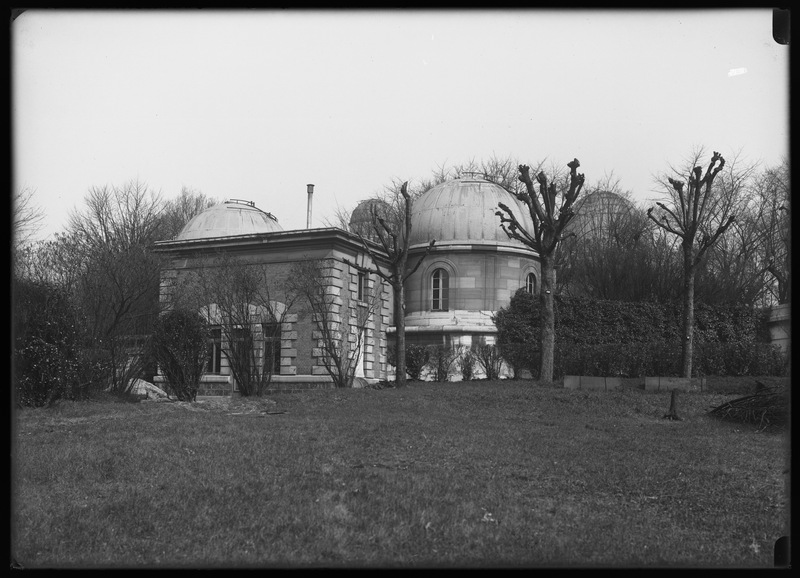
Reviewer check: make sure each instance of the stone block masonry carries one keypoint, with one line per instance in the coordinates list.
(592, 382)
(669, 383)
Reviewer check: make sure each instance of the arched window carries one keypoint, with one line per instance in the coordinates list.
(440, 290)
(530, 283)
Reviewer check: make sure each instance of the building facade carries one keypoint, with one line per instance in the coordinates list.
(474, 267)
(472, 272)
(291, 344)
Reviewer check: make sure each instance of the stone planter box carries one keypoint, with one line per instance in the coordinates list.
(670, 383)
(592, 382)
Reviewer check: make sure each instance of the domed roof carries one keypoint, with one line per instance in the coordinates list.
(361, 219)
(232, 218)
(463, 211)
(597, 210)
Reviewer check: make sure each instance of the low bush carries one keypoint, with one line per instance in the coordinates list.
(417, 357)
(467, 363)
(489, 358)
(441, 360)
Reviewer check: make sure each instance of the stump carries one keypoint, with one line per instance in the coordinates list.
(672, 414)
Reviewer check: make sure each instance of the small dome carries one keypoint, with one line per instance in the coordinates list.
(229, 219)
(463, 211)
(361, 220)
(597, 210)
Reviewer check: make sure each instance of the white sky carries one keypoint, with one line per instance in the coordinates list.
(256, 104)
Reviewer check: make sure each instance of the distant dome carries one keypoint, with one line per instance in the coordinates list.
(463, 211)
(361, 220)
(229, 219)
(597, 210)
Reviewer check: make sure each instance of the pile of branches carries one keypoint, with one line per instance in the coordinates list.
(767, 408)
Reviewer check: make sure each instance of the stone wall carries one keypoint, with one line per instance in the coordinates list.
(301, 347)
(481, 279)
(779, 324)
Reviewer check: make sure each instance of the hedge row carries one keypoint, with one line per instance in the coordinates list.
(635, 339)
(639, 360)
(579, 320)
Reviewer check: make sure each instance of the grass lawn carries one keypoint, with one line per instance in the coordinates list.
(476, 474)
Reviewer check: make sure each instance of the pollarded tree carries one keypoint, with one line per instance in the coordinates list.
(698, 215)
(550, 218)
(392, 230)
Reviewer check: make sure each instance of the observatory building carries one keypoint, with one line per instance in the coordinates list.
(472, 271)
(474, 267)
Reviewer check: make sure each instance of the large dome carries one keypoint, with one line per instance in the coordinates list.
(463, 211)
(229, 219)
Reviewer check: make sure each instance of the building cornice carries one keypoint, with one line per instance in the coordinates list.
(330, 237)
(475, 247)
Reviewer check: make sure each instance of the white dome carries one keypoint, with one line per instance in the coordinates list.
(229, 219)
(463, 211)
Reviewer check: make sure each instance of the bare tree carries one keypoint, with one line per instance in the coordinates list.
(606, 257)
(340, 323)
(772, 198)
(118, 281)
(735, 269)
(26, 217)
(249, 305)
(340, 218)
(177, 212)
(118, 217)
(393, 234)
(550, 219)
(698, 216)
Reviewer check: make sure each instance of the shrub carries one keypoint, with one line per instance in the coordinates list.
(519, 356)
(440, 360)
(466, 363)
(489, 359)
(46, 347)
(179, 345)
(417, 357)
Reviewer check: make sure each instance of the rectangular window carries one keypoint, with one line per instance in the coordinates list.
(272, 347)
(214, 352)
(363, 288)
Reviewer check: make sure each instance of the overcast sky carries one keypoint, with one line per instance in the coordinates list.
(256, 104)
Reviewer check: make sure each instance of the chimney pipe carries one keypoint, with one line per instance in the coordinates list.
(310, 189)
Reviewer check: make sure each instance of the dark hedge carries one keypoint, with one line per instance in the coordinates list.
(596, 337)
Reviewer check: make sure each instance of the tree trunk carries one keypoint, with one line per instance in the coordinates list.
(688, 311)
(548, 320)
(673, 407)
(400, 335)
